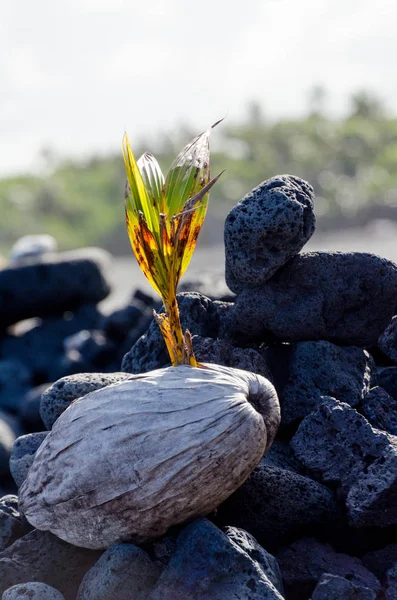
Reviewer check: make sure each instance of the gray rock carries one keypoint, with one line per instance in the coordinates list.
(319, 369)
(275, 504)
(386, 378)
(380, 561)
(269, 226)
(56, 284)
(381, 410)
(304, 562)
(391, 583)
(220, 352)
(40, 556)
(388, 340)
(339, 446)
(29, 410)
(7, 439)
(280, 455)
(211, 565)
(61, 394)
(198, 313)
(12, 524)
(333, 587)
(346, 298)
(22, 454)
(14, 383)
(123, 571)
(33, 590)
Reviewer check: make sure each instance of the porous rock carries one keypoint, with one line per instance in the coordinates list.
(33, 590)
(339, 446)
(269, 226)
(41, 556)
(41, 348)
(29, 410)
(52, 286)
(209, 564)
(388, 340)
(22, 454)
(211, 285)
(347, 298)
(199, 315)
(319, 369)
(123, 571)
(280, 455)
(12, 524)
(304, 562)
(380, 561)
(220, 352)
(386, 378)
(61, 394)
(333, 587)
(380, 409)
(194, 435)
(391, 583)
(275, 504)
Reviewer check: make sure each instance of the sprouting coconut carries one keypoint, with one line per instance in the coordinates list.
(130, 460)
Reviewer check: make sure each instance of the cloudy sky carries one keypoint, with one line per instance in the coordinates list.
(74, 74)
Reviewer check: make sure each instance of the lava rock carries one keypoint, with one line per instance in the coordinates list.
(391, 583)
(14, 383)
(211, 565)
(340, 447)
(33, 590)
(199, 315)
(92, 350)
(29, 410)
(386, 378)
(381, 410)
(41, 556)
(121, 321)
(319, 369)
(123, 571)
(220, 352)
(22, 454)
(212, 285)
(41, 348)
(333, 587)
(61, 394)
(31, 247)
(280, 455)
(276, 504)
(380, 561)
(7, 439)
(12, 524)
(304, 562)
(266, 228)
(52, 286)
(347, 298)
(388, 340)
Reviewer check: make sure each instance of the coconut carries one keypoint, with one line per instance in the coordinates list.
(128, 461)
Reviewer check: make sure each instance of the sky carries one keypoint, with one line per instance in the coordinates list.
(75, 74)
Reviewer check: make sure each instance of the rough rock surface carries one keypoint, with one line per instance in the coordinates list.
(380, 561)
(380, 409)
(61, 394)
(275, 504)
(391, 583)
(281, 455)
(52, 286)
(304, 562)
(211, 565)
(32, 591)
(12, 524)
(269, 226)
(220, 352)
(40, 556)
(388, 340)
(319, 369)
(198, 313)
(386, 378)
(347, 298)
(123, 571)
(333, 587)
(29, 410)
(339, 446)
(22, 454)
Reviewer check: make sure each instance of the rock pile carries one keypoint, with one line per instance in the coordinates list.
(317, 519)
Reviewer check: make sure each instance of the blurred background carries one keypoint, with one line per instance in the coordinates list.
(307, 88)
